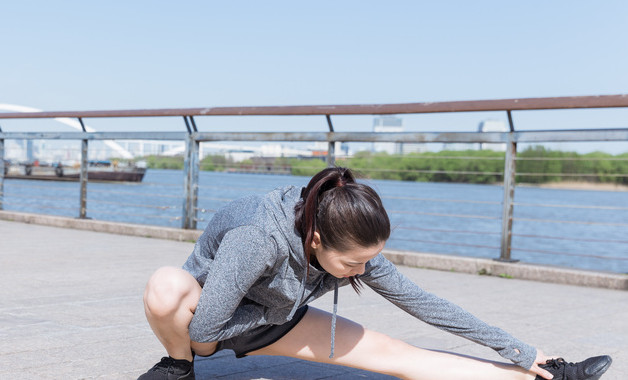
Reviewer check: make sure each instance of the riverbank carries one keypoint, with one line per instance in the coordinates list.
(576, 185)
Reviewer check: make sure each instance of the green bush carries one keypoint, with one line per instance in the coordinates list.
(216, 163)
(307, 167)
(163, 162)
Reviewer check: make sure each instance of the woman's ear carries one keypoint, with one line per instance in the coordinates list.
(316, 240)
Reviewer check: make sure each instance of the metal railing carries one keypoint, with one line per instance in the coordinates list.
(193, 137)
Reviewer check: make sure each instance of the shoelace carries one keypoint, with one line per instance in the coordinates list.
(167, 364)
(559, 367)
(164, 365)
(555, 363)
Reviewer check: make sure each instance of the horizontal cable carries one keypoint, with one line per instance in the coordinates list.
(234, 165)
(260, 168)
(41, 187)
(16, 195)
(90, 211)
(205, 210)
(216, 199)
(572, 238)
(443, 230)
(427, 171)
(157, 184)
(47, 187)
(571, 254)
(447, 157)
(571, 159)
(134, 193)
(41, 207)
(99, 201)
(445, 243)
(134, 205)
(570, 206)
(390, 156)
(253, 189)
(573, 175)
(446, 215)
(571, 222)
(440, 200)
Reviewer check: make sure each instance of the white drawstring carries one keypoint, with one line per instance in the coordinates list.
(333, 320)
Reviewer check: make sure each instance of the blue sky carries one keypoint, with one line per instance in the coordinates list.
(85, 55)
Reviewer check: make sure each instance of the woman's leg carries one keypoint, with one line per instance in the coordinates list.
(170, 300)
(361, 348)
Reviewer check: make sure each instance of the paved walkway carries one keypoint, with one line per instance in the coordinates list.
(71, 308)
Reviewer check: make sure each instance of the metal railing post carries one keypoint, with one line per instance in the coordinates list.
(509, 194)
(331, 154)
(83, 180)
(190, 182)
(83, 175)
(331, 145)
(2, 169)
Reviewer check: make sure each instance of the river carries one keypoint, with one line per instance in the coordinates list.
(574, 228)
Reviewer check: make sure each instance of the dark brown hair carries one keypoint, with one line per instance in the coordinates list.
(345, 213)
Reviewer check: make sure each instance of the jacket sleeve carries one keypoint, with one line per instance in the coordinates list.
(382, 276)
(244, 255)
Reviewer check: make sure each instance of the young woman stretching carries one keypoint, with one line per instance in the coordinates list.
(262, 259)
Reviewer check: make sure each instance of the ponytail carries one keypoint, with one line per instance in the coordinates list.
(307, 208)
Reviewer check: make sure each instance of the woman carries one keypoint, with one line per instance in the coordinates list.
(262, 259)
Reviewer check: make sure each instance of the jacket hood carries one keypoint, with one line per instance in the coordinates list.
(280, 205)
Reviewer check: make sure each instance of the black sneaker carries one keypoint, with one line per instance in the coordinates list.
(170, 369)
(590, 369)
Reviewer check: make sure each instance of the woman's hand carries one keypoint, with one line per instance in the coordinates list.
(541, 359)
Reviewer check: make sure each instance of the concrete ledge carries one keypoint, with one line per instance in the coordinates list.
(454, 263)
(103, 226)
(517, 270)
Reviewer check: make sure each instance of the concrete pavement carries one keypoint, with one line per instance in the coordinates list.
(71, 308)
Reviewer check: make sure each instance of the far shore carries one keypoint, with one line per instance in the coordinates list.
(575, 185)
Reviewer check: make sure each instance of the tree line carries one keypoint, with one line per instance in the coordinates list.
(535, 164)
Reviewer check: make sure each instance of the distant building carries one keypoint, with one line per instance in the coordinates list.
(14, 150)
(460, 146)
(320, 148)
(407, 148)
(388, 124)
(493, 126)
(140, 148)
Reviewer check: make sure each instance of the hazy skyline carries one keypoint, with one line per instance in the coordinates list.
(74, 55)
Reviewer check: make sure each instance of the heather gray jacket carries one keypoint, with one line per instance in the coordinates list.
(251, 265)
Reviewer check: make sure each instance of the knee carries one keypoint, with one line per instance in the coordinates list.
(390, 346)
(391, 349)
(166, 290)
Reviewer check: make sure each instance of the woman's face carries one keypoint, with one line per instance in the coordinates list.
(346, 263)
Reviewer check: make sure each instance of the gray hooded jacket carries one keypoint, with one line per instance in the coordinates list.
(251, 265)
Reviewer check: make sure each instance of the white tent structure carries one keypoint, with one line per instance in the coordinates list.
(69, 122)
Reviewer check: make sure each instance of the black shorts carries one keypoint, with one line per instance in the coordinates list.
(260, 337)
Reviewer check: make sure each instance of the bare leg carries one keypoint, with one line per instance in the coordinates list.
(170, 300)
(361, 348)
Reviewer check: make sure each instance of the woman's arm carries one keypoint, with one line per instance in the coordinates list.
(383, 277)
(244, 255)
